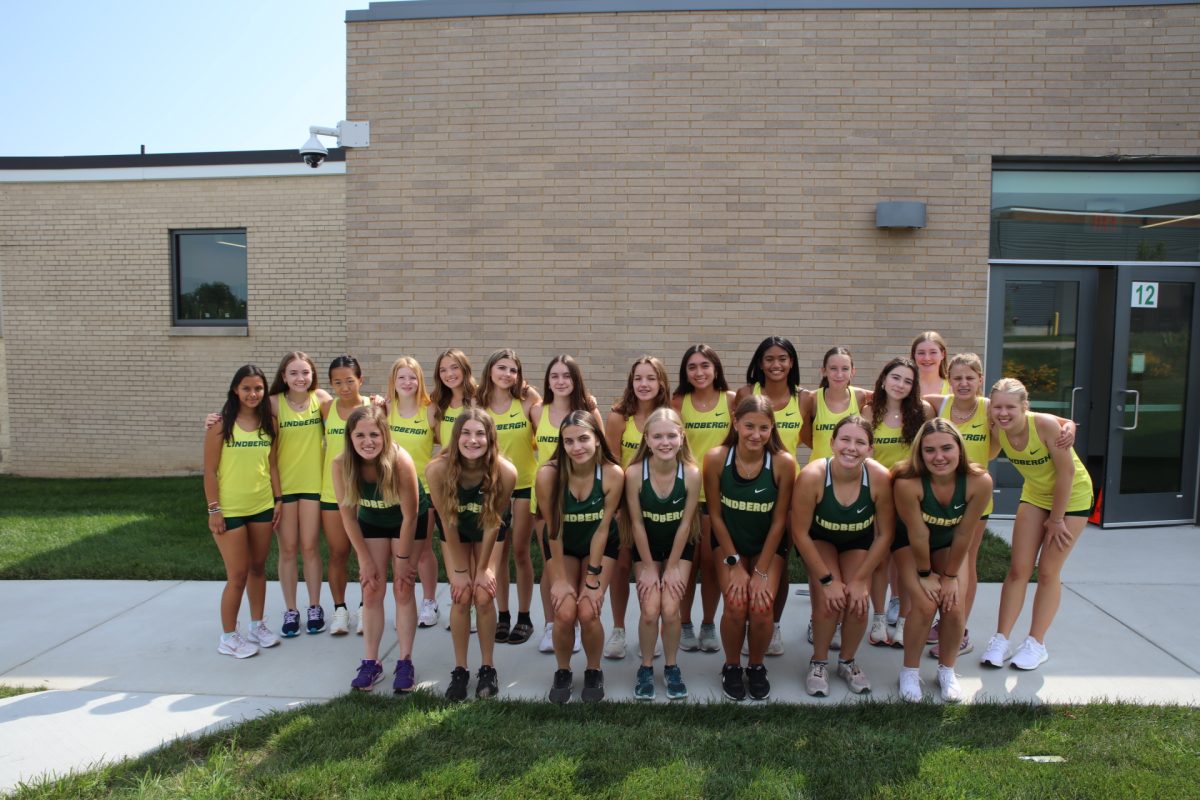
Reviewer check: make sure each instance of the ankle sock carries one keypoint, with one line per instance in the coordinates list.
(523, 618)
(504, 617)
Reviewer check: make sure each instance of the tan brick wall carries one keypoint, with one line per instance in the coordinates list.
(96, 383)
(608, 184)
(5, 439)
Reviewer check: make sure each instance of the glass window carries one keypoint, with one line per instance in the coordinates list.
(1065, 215)
(210, 277)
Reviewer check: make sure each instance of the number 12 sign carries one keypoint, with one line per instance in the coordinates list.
(1145, 295)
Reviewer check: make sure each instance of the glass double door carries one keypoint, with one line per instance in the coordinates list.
(1113, 349)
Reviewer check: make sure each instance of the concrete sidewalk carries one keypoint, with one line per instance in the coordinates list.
(133, 664)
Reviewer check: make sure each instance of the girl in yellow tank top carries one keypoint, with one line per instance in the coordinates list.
(505, 395)
(832, 400)
(647, 389)
(412, 422)
(454, 389)
(929, 353)
(896, 413)
(241, 483)
(1049, 520)
(345, 378)
(296, 400)
(704, 402)
(774, 371)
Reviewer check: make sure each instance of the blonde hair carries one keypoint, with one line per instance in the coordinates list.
(1011, 386)
(385, 463)
(447, 492)
(972, 362)
(682, 456)
(915, 467)
(410, 362)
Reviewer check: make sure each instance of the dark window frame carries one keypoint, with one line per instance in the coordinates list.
(173, 238)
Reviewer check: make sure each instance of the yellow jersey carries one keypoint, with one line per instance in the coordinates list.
(789, 422)
(975, 433)
(335, 443)
(299, 453)
(415, 436)
(244, 474)
(631, 440)
(824, 421)
(514, 437)
(890, 448)
(705, 429)
(1035, 466)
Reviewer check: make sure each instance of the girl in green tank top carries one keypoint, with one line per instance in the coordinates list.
(241, 483)
(377, 491)
(1055, 502)
(579, 491)
(662, 495)
(647, 389)
(839, 572)
(471, 483)
(748, 480)
(941, 495)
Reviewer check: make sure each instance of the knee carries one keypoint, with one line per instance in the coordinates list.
(761, 615)
(1018, 573)
(565, 614)
(483, 600)
(257, 569)
(287, 550)
(735, 614)
(237, 577)
(373, 594)
(955, 616)
(922, 607)
(404, 594)
(822, 611)
(651, 609)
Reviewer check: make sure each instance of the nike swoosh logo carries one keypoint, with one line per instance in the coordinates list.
(1035, 452)
(860, 510)
(977, 425)
(760, 491)
(677, 501)
(790, 414)
(960, 505)
(514, 414)
(720, 414)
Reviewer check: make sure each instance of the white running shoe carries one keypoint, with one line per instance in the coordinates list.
(687, 638)
(615, 646)
(854, 677)
(234, 645)
(816, 684)
(1030, 655)
(775, 648)
(546, 645)
(258, 633)
(893, 611)
(898, 634)
(358, 624)
(910, 685)
(429, 614)
(948, 681)
(709, 642)
(878, 637)
(339, 623)
(578, 641)
(996, 652)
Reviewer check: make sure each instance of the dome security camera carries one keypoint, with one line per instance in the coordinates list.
(313, 152)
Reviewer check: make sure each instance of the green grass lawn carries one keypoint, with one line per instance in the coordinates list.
(13, 691)
(156, 529)
(372, 747)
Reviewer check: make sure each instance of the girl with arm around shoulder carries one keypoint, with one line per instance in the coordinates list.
(842, 525)
(471, 484)
(579, 491)
(748, 482)
(941, 496)
(376, 486)
(1056, 499)
(662, 495)
(241, 484)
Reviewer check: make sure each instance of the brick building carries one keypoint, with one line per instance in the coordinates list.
(608, 178)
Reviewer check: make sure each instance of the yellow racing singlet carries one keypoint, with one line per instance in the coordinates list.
(446, 426)
(631, 440)
(789, 422)
(1039, 473)
(546, 439)
(415, 436)
(976, 439)
(705, 429)
(890, 447)
(824, 421)
(335, 443)
(299, 451)
(244, 474)
(515, 440)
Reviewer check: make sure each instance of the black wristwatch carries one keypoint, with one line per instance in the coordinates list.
(732, 559)
(924, 573)
(828, 579)
(593, 570)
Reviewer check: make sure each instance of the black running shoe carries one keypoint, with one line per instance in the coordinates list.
(732, 683)
(756, 677)
(560, 690)
(593, 686)
(456, 692)
(488, 684)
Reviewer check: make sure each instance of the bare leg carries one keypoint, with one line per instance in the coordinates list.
(256, 573)
(1049, 586)
(1026, 540)
(309, 513)
(288, 536)
(339, 554)
(234, 547)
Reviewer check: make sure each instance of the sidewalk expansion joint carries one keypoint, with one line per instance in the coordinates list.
(121, 613)
(1133, 630)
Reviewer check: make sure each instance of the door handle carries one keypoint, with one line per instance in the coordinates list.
(1071, 416)
(1137, 405)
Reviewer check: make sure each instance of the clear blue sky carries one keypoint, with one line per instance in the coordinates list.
(89, 77)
